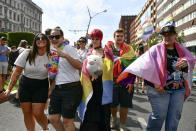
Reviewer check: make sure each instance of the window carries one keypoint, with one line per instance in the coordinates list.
(15, 4)
(14, 16)
(18, 18)
(18, 6)
(1, 10)
(10, 14)
(8, 25)
(0, 24)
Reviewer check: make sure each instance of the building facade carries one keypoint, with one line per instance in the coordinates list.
(184, 12)
(125, 22)
(20, 15)
(147, 12)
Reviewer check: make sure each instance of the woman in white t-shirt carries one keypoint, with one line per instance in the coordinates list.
(33, 85)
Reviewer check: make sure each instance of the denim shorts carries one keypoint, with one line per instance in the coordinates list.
(65, 99)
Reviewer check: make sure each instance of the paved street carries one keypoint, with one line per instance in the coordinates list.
(11, 118)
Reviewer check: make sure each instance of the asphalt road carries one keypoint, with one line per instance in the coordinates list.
(11, 117)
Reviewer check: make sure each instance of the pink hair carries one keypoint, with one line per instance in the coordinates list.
(96, 33)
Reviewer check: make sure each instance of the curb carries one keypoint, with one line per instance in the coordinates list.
(12, 95)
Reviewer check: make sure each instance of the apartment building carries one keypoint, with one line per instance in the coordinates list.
(20, 15)
(184, 12)
(147, 12)
(125, 22)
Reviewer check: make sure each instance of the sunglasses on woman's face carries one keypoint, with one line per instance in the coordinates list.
(41, 38)
(82, 41)
(51, 37)
(95, 39)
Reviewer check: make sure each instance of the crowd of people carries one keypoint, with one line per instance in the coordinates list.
(93, 81)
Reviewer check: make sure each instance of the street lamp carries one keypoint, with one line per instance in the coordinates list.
(93, 17)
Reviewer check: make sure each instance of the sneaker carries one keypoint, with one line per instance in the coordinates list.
(123, 127)
(113, 122)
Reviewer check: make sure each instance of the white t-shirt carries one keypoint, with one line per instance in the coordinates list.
(37, 70)
(21, 49)
(66, 72)
(82, 54)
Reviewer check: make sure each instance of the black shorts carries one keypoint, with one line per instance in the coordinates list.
(33, 90)
(65, 99)
(122, 97)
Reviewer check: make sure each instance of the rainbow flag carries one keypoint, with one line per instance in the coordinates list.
(107, 80)
(169, 21)
(54, 61)
(127, 56)
(145, 30)
(152, 65)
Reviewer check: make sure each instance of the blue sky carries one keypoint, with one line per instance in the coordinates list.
(73, 15)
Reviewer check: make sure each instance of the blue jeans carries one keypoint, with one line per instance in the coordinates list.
(165, 107)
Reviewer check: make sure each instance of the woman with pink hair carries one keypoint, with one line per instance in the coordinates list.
(94, 109)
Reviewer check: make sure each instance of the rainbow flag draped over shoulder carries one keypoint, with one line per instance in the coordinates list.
(54, 61)
(127, 56)
(145, 30)
(152, 66)
(107, 80)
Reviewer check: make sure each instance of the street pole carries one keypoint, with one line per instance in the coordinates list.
(90, 17)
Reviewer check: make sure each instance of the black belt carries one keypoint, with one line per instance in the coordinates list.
(68, 85)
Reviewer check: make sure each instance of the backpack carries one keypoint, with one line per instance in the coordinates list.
(13, 56)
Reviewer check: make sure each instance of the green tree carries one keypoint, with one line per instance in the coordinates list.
(134, 45)
(3, 34)
(14, 38)
(180, 38)
(156, 38)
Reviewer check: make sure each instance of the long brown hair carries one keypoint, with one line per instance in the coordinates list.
(34, 50)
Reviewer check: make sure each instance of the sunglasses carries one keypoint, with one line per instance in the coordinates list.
(82, 41)
(95, 39)
(41, 38)
(51, 37)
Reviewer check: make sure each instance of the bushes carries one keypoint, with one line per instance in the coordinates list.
(3, 34)
(14, 38)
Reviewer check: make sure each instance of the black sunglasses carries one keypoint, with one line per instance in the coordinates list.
(51, 37)
(82, 41)
(41, 38)
(95, 39)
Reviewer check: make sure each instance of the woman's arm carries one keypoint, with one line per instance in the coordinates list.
(14, 79)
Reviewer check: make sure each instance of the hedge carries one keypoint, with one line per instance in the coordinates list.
(14, 38)
(3, 34)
